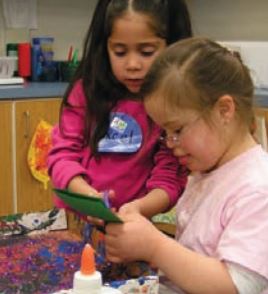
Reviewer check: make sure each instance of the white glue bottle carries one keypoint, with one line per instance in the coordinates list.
(88, 280)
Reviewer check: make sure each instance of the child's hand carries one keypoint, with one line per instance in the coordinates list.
(130, 207)
(79, 185)
(95, 221)
(106, 197)
(135, 239)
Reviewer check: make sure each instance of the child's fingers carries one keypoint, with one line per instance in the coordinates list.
(111, 194)
(113, 258)
(95, 221)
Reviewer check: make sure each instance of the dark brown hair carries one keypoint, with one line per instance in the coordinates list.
(169, 19)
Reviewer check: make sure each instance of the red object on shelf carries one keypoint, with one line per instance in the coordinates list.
(24, 60)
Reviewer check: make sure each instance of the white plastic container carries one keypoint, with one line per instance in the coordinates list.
(7, 66)
(88, 280)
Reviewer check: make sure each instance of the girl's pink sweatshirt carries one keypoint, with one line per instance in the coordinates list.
(130, 174)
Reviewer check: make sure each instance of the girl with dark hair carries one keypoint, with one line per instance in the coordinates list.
(104, 139)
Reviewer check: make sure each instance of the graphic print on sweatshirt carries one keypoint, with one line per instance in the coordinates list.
(124, 135)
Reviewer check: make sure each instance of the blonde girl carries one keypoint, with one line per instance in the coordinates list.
(202, 95)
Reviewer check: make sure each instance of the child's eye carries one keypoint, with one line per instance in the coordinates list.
(120, 53)
(147, 50)
(147, 53)
(178, 131)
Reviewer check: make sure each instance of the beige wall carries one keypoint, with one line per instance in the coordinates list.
(245, 20)
(68, 20)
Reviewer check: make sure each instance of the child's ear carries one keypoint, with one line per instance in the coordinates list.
(226, 108)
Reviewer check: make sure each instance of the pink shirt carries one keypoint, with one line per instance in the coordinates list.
(131, 175)
(224, 213)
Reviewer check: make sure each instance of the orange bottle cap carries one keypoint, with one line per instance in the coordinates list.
(88, 261)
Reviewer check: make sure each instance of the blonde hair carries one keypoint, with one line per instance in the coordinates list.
(195, 72)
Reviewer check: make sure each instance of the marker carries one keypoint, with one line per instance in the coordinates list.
(75, 57)
(70, 54)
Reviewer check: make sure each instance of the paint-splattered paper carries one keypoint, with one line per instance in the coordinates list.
(33, 222)
(38, 152)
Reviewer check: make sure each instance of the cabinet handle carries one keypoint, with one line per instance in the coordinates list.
(27, 123)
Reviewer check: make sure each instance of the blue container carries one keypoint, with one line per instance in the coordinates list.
(42, 56)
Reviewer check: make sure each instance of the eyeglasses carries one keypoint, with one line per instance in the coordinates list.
(175, 138)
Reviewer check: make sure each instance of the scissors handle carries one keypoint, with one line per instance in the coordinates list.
(106, 198)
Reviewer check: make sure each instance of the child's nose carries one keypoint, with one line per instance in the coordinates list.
(170, 144)
(177, 151)
(133, 62)
(175, 147)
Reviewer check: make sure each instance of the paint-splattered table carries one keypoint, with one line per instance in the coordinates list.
(36, 260)
(40, 263)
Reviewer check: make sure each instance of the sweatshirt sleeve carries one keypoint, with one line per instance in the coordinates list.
(65, 156)
(167, 174)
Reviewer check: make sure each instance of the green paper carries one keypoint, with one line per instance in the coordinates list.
(88, 205)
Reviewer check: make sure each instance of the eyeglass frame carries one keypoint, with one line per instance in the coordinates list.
(175, 139)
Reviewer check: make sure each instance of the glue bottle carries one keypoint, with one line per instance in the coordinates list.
(88, 280)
